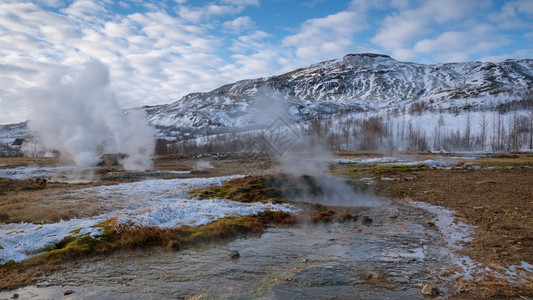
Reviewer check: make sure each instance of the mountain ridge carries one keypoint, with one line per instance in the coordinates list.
(360, 82)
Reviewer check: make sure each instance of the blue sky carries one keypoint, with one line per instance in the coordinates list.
(159, 51)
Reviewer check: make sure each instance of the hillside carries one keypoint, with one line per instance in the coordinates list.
(356, 82)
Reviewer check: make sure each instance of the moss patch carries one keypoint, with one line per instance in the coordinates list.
(247, 189)
(278, 188)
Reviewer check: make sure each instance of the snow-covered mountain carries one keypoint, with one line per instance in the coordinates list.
(356, 82)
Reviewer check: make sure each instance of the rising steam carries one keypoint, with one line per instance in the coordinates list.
(77, 115)
(300, 152)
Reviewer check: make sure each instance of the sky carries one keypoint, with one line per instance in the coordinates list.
(160, 50)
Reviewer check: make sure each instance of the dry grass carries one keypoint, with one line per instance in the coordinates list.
(247, 189)
(24, 202)
(27, 161)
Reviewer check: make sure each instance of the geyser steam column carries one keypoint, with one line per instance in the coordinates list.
(77, 115)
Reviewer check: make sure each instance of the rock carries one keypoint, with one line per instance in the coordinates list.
(430, 289)
(69, 292)
(234, 254)
(365, 220)
(40, 183)
(112, 159)
(15, 296)
(174, 245)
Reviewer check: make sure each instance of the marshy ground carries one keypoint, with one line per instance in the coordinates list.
(327, 250)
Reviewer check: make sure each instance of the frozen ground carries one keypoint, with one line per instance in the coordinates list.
(53, 173)
(397, 161)
(163, 203)
(70, 174)
(455, 232)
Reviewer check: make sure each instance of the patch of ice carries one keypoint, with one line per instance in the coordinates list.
(23, 240)
(198, 212)
(396, 162)
(176, 172)
(367, 160)
(162, 203)
(455, 232)
(438, 163)
(22, 173)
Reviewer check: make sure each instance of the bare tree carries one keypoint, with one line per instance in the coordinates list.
(33, 149)
(483, 126)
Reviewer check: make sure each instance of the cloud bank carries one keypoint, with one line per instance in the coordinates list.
(159, 51)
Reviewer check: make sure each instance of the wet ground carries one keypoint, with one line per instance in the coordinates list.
(407, 244)
(389, 258)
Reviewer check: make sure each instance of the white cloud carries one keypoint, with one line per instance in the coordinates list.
(51, 3)
(252, 41)
(402, 29)
(480, 38)
(86, 10)
(197, 14)
(328, 37)
(260, 64)
(509, 15)
(455, 46)
(239, 24)
(241, 2)
(519, 54)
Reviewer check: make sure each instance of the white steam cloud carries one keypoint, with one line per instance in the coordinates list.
(77, 115)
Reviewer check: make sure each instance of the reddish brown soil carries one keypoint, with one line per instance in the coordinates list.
(498, 201)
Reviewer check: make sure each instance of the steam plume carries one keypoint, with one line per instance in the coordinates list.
(77, 115)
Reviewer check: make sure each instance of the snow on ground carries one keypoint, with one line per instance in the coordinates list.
(455, 232)
(397, 161)
(368, 160)
(163, 203)
(23, 240)
(71, 174)
(22, 173)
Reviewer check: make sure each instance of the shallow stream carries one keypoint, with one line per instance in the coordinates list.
(390, 258)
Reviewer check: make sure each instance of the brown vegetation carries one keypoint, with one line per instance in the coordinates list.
(499, 202)
(121, 237)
